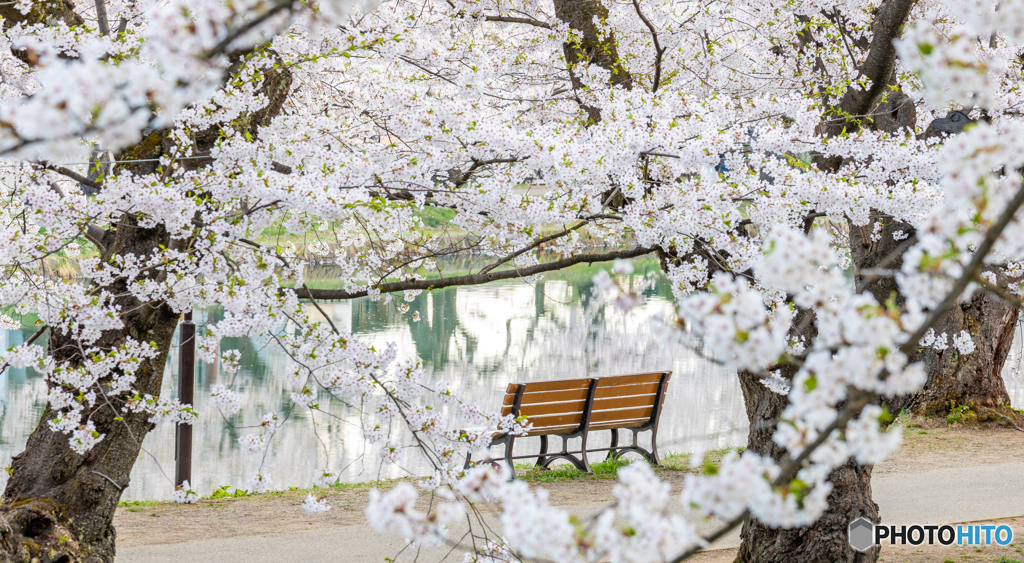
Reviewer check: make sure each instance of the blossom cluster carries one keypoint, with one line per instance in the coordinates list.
(466, 109)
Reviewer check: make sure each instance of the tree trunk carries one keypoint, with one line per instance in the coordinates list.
(826, 539)
(58, 506)
(974, 379)
(590, 49)
(954, 379)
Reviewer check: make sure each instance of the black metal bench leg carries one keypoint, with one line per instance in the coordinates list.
(505, 440)
(650, 455)
(585, 465)
(655, 459)
(614, 452)
(508, 455)
(543, 450)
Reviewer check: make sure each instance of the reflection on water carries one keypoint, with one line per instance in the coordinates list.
(481, 338)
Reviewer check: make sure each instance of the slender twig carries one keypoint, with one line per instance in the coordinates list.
(30, 340)
(532, 245)
(1007, 419)
(715, 536)
(999, 292)
(658, 49)
(322, 312)
(112, 482)
(970, 272)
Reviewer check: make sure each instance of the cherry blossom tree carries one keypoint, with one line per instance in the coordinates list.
(752, 145)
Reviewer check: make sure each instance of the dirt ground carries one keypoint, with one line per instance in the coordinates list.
(928, 444)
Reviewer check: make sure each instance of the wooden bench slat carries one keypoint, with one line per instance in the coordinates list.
(556, 419)
(550, 430)
(620, 424)
(611, 403)
(570, 406)
(604, 392)
(556, 385)
(552, 408)
(613, 380)
(548, 397)
(554, 391)
(621, 414)
(544, 431)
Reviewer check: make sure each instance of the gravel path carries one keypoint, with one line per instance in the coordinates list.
(940, 476)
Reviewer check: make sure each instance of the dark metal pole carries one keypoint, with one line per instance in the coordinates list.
(186, 393)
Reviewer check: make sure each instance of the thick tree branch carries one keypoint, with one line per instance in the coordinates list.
(95, 235)
(101, 17)
(533, 245)
(511, 19)
(591, 47)
(247, 27)
(471, 279)
(877, 69)
(73, 175)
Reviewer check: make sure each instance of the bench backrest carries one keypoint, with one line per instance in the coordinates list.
(552, 406)
(629, 401)
(560, 406)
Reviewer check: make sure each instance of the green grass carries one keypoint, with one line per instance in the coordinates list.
(141, 502)
(608, 469)
(223, 492)
(1005, 559)
(601, 470)
(435, 217)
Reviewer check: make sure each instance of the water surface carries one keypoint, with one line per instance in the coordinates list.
(481, 338)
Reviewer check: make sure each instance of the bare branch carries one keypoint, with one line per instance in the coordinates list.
(471, 279)
(999, 292)
(73, 175)
(658, 49)
(247, 27)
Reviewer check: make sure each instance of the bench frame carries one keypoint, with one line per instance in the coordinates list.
(579, 457)
(616, 451)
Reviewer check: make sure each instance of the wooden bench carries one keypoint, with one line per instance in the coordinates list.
(572, 408)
